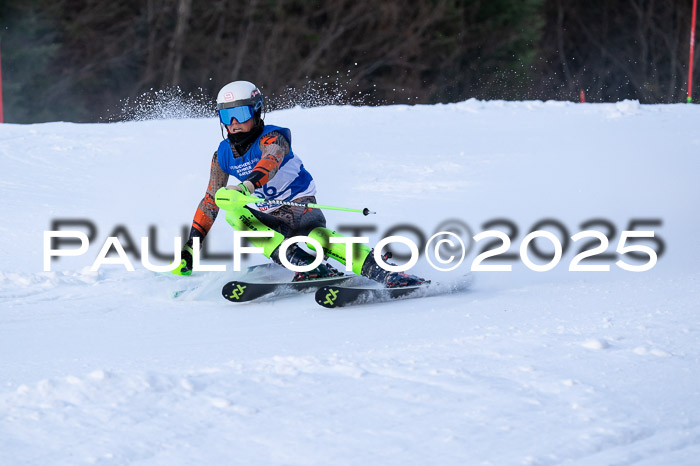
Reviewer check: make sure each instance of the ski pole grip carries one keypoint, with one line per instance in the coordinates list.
(230, 199)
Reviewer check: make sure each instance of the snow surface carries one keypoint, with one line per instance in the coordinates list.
(557, 367)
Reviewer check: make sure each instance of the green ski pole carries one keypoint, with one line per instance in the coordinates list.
(229, 199)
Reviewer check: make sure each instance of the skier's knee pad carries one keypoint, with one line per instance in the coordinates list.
(337, 250)
(244, 220)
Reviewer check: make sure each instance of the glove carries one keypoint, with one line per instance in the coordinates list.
(185, 267)
(234, 197)
(246, 187)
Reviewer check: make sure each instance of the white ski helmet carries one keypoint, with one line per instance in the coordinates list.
(240, 100)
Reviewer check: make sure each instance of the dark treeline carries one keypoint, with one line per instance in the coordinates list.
(78, 60)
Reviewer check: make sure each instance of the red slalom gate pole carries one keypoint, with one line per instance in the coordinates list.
(1, 114)
(692, 53)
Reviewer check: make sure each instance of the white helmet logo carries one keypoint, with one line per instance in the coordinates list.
(228, 97)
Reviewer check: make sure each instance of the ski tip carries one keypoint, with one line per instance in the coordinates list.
(327, 296)
(240, 292)
(367, 212)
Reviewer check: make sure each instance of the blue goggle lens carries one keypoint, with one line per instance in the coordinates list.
(241, 114)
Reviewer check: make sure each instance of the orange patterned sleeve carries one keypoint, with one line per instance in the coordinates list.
(274, 148)
(207, 210)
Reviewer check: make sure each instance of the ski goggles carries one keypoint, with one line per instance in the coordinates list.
(241, 110)
(241, 114)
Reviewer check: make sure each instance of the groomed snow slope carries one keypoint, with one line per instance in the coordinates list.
(555, 367)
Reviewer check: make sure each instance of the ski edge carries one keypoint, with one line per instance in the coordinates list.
(331, 297)
(235, 290)
(342, 296)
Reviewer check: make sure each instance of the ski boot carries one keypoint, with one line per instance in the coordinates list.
(322, 271)
(373, 271)
(297, 256)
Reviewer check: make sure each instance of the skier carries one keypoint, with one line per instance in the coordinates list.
(261, 158)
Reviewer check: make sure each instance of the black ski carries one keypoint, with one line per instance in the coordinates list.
(332, 296)
(241, 292)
